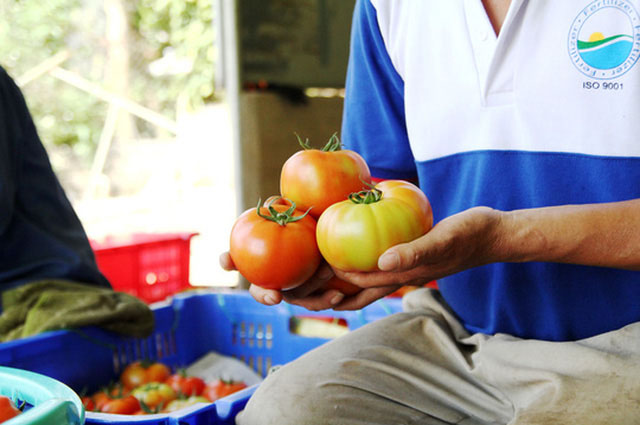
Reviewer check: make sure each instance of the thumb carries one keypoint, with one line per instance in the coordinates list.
(399, 257)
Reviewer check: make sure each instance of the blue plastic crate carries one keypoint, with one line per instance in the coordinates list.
(191, 325)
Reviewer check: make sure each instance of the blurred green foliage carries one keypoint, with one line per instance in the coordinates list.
(160, 32)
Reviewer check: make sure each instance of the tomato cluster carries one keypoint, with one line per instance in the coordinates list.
(147, 387)
(329, 209)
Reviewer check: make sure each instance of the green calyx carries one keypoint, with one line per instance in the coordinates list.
(332, 145)
(369, 196)
(282, 218)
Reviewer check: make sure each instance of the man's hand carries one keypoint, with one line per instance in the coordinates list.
(464, 240)
(311, 295)
(457, 243)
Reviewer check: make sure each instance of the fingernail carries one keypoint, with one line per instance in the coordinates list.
(270, 299)
(337, 298)
(388, 261)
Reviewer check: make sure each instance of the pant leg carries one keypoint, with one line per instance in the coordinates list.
(594, 381)
(409, 368)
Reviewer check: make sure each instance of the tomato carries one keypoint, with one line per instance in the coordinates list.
(186, 402)
(314, 178)
(8, 409)
(142, 372)
(185, 385)
(127, 405)
(352, 234)
(107, 394)
(88, 403)
(154, 394)
(345, 287)
(411, 194)
(100, 399)
(222, 388)
(275, 247)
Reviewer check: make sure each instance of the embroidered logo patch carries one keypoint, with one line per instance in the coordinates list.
(604, 39)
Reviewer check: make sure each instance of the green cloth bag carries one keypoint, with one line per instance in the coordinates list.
(55, 304)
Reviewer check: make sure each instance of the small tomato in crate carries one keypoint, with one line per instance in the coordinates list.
(185, 385)
(142, 372)
(222, 388)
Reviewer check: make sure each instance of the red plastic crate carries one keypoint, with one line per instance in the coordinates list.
(149, 266)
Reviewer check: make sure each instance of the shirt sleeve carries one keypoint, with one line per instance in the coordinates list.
(373, 121)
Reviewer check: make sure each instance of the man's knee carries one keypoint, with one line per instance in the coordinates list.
(288, 396)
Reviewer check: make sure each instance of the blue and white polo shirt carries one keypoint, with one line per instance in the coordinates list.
(547, 113)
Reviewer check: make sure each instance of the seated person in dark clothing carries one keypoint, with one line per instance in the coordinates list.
(40, 235)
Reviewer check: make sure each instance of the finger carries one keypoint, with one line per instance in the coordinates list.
(384, 279)
(404, 256)
(320, 300)
(365, 297)
(265, 296)
(226, 262)
(316, 282)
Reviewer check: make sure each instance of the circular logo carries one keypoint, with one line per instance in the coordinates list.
(604, 39)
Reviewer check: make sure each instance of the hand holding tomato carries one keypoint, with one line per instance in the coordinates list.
(459, 242)
(313, 294)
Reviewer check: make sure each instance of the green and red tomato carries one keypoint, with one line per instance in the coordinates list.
(352, 234)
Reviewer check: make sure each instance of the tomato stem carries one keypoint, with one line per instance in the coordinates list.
(305, 145)
(366, 196)
(332, 145)
(282, 218)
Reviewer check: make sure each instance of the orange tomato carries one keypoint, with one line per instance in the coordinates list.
(142, 372)
(222, 388)
(316, 179)
(275, 247)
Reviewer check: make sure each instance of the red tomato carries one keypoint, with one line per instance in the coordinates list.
(352, 234)
(142, 372)
(108, 394)
(8, 409)
(222, 388)
(88, 403)
(127, 405)
(315, 179)
(275, 247)
(185, 385)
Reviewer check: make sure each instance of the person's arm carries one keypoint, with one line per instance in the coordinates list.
(605, 235)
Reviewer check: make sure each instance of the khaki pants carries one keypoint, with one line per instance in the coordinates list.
(423, 367)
